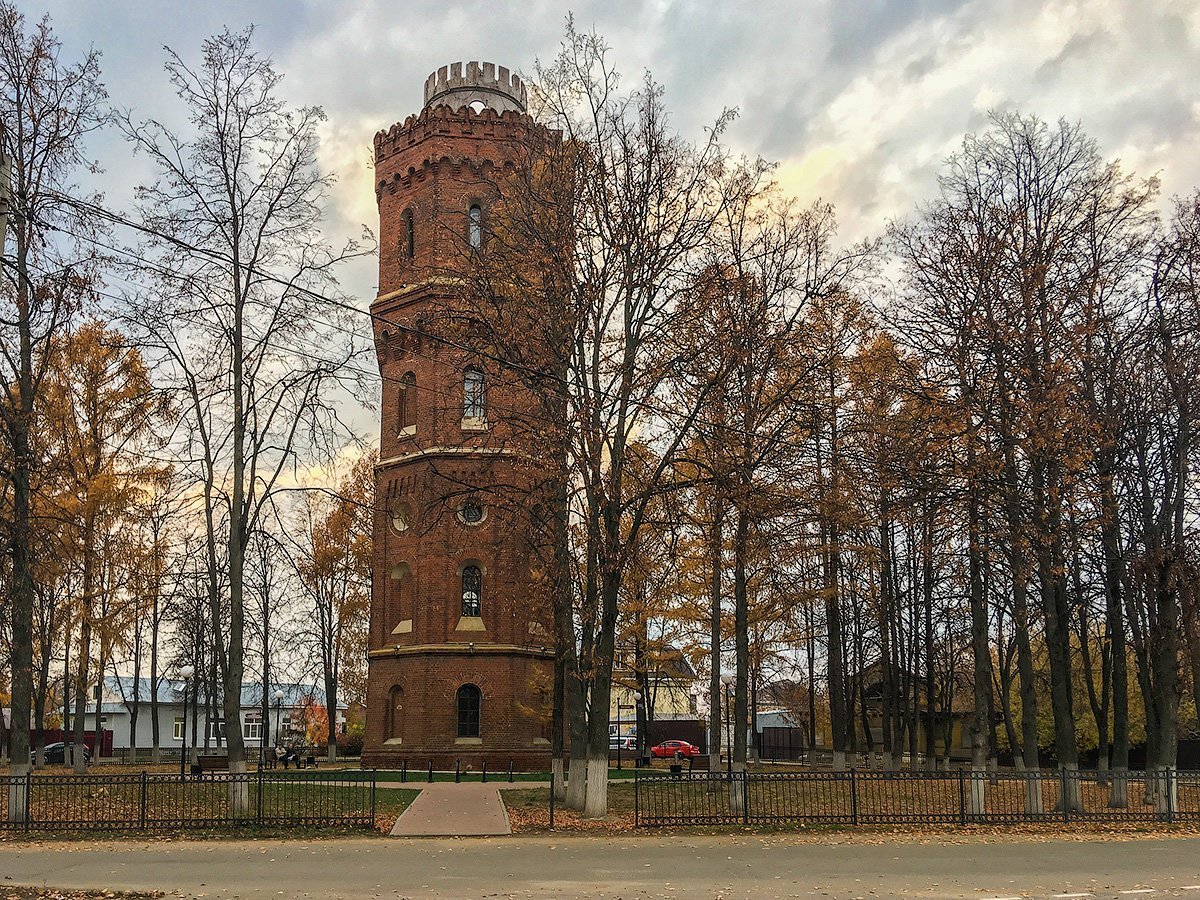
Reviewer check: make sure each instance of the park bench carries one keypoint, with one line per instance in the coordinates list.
(698, 763)
(213, 762)
(304, 761)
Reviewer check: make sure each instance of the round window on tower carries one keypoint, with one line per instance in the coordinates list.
(401, 517)
(471, 512)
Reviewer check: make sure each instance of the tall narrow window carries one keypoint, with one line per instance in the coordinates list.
(475, 226)
(474, 394)
(472, 591)
(409, 236)
(406, 402)
(468, 702)
(393, 716)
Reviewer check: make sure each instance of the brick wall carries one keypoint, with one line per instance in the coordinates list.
(430, 171)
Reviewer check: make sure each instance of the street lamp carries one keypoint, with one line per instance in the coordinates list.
(637, 728)
(620, 740)
(727, 680)
(185, 673)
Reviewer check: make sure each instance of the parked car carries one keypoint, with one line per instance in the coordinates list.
(669, 749)
(56, 754)
(628, 742)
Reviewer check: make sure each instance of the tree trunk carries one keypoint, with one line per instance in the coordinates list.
(716, 545)
(741, 630)
(600, 696)
(981, 654)
(85, 647)
(155, 737)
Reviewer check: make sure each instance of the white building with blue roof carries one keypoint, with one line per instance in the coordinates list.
(121, 696)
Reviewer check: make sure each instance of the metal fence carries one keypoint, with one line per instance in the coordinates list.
(899, 798)
(142, 756)
(146, 801)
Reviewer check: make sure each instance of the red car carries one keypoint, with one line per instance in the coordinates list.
(669, 749)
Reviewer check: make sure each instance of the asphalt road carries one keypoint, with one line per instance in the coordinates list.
(703, 867)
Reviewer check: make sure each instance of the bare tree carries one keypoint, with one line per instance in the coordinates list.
(644, 202)
(47, 108)
(234, 313)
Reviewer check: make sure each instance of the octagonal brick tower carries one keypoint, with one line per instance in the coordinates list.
(460, 658)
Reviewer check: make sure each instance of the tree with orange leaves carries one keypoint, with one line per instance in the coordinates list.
(335, 569)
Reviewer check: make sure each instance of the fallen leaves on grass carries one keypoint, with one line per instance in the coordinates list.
(525, 820)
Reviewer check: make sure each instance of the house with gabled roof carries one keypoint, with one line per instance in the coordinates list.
(122, 697)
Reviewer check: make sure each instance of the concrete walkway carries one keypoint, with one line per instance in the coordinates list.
(445, 809)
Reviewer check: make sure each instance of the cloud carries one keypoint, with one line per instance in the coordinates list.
(860, 102)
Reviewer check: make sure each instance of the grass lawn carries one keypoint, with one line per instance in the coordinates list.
(529, 812)
(203, 806)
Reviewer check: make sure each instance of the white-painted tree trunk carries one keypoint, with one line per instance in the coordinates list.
(1118, 798)
(16, 792)
(1165, 799)
(1070, 798)
(736, 797)
(977, 794)
(1033, 794)
(577, 784)
(595, 805)
(839, 761)
(239, 789)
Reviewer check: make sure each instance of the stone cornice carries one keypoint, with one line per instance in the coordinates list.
(450, 451)
(462, 649)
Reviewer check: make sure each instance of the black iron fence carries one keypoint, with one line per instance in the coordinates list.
(898, 798)
(146, 801)
(142, 756)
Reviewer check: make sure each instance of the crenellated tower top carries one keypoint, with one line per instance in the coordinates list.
(485, 83)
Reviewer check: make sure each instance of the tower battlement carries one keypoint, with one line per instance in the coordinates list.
(484, 82)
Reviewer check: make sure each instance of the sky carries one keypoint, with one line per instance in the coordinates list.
(859, 102)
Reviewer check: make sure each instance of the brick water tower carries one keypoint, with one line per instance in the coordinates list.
(460, 654)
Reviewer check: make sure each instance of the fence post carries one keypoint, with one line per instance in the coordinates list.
(1062, 793)
(853, 797)
(457, 771)
(636, 810)
(510, 778)
(745, 797)
(552, 800)
(403, 771)
(962, 798)
(1170, 786)
(28, 800)
(142, 807)
(483, 770)
(431, 771)
(258, 814)
(374, 774)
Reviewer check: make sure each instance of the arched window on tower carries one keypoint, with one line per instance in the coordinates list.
(468, 700)
(474, 394)
(475, 226)
(472, 591)
(409, 236)
(406, 403)
(393, 722)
